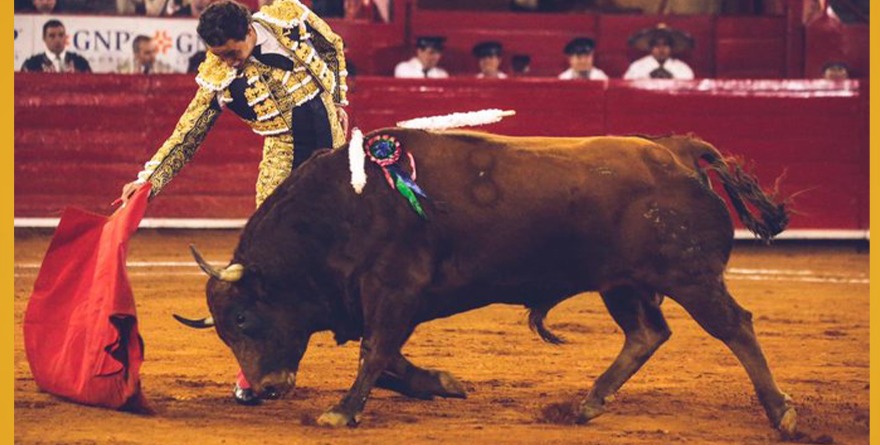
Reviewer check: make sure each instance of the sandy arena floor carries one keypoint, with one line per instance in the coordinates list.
(811, 313)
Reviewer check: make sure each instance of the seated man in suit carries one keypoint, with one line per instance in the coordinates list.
(144, 59)
(56, 59)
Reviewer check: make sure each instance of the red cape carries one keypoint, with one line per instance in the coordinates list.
(80, 328)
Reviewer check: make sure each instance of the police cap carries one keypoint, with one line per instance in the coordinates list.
(487, 49)
(430, 42)
(580, 45)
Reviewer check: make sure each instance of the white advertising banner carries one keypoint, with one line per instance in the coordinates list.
(106, 42)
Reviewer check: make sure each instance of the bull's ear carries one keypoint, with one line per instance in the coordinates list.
(256, 283)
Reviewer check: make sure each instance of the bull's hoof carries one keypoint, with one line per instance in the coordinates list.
(451, 387)
(335, 419)
(424, 385)
(784, 419)
(589, 410)
(788, 424)
(245, 396)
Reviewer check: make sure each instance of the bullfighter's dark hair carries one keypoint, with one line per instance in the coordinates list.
(136, 44)
(222, 21)
(52, 24)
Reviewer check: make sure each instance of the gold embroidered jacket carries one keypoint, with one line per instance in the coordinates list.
(262, 96)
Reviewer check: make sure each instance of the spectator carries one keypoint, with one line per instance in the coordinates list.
(429, 51)
(56, 59)
(195, 60)
(63, 6)
(851, 11)
(835, 70)
(152, 8)
(90, 6)
(662, 42)
(192, 9)
(488, 56)
(328, 8)
(143, 59)
(580, 61)
(679, 7)
(43, 6)
(521, 64)
(37, 6)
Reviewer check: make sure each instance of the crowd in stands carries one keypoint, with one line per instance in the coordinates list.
(847, 10)
(156, 8)
(660, 44)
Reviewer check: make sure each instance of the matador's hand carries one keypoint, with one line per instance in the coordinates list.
(127, 191)
(343, 120)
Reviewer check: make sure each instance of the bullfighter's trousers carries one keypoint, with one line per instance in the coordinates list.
(315, 126)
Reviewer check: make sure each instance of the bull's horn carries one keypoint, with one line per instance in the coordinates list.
(231, 273)
(207, 268)
(203, 323)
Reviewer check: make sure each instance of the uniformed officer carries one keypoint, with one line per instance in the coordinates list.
(580, 53)
(429, 51)
(521, 64)
(835, 70)
(661, 42)
(488, 56)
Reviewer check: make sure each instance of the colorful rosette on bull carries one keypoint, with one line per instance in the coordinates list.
(386, 152)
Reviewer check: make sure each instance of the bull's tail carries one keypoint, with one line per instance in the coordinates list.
(536, 323)
(758, 210)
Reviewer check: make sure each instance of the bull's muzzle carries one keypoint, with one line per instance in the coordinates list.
(231, 273)
(276, 385)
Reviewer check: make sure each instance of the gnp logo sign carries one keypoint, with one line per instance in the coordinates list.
(107, 41)
(163, 41)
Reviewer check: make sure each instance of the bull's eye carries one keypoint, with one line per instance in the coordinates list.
(247, 322)
(240, 320)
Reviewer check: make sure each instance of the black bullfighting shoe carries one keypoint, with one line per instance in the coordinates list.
(245, 396)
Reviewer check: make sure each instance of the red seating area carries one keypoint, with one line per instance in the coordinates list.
(750, 47)
(727, 47)
(79, 138)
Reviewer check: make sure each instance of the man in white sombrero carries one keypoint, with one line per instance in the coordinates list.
(661, 42)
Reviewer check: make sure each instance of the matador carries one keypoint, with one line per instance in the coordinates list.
(282, 70)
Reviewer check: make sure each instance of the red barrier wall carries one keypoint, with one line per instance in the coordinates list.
(78, 139)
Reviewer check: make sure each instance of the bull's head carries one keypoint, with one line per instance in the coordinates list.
(267, 334)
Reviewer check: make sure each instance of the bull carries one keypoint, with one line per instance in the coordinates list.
(514, 220)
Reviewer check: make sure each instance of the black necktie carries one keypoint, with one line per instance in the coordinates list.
(660, 72)
(273, 60)
(425, 71)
